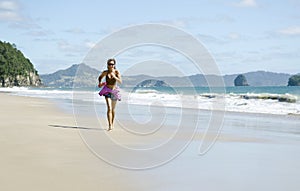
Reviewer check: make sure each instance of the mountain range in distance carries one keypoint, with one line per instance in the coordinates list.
(87, 76)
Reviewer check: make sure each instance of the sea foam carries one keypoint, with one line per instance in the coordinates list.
(269, 103)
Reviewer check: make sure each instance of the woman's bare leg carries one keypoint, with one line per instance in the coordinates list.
(113, 106)
(109, 113)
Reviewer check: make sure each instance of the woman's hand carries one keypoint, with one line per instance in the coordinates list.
(113, 74)
(100, 85)
(116, 75)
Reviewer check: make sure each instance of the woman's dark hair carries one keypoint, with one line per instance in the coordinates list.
(111, 60)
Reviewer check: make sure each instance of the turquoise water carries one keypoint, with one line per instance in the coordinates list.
(295, 90)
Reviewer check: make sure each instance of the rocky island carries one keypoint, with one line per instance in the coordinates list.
(240, 80)
(294, 80)
(152, 83)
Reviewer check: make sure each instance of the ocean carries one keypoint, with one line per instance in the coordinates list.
(280, 100)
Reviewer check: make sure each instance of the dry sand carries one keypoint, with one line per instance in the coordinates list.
(41, 149)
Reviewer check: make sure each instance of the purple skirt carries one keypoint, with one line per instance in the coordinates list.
(106, 91)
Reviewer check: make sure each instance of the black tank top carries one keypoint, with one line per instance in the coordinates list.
(110, 81)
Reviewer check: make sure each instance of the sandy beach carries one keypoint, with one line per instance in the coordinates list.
(42, 149)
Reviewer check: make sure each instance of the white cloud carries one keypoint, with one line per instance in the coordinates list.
(9, 16)
(9, 5)
(210, 39)
(12, 12)
(81, 48)
(234, 36)
(9, 11)
(89, 44)
(181, 23)
(295, 30)
(192, 21)
(39, 33)
(246, 3)
(68, 47)
(76, 31)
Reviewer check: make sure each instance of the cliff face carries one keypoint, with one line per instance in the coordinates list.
(15, 69)
(31, 79)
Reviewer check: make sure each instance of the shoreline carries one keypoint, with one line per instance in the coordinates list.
(233, 103)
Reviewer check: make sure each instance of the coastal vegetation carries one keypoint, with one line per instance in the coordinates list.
(15, 68)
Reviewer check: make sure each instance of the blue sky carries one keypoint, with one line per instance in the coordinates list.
(241, 35)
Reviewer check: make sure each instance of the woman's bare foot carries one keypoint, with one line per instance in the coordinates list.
(109, 128)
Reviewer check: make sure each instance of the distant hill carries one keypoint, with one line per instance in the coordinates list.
(88, 77)
(261, 78)
(15, 68)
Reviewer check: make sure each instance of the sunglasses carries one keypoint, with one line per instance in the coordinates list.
(111, 64)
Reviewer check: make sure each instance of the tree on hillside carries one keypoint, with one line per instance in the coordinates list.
(15, 69)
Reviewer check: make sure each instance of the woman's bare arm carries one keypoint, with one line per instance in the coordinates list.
(118, 77)
(100, 78)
